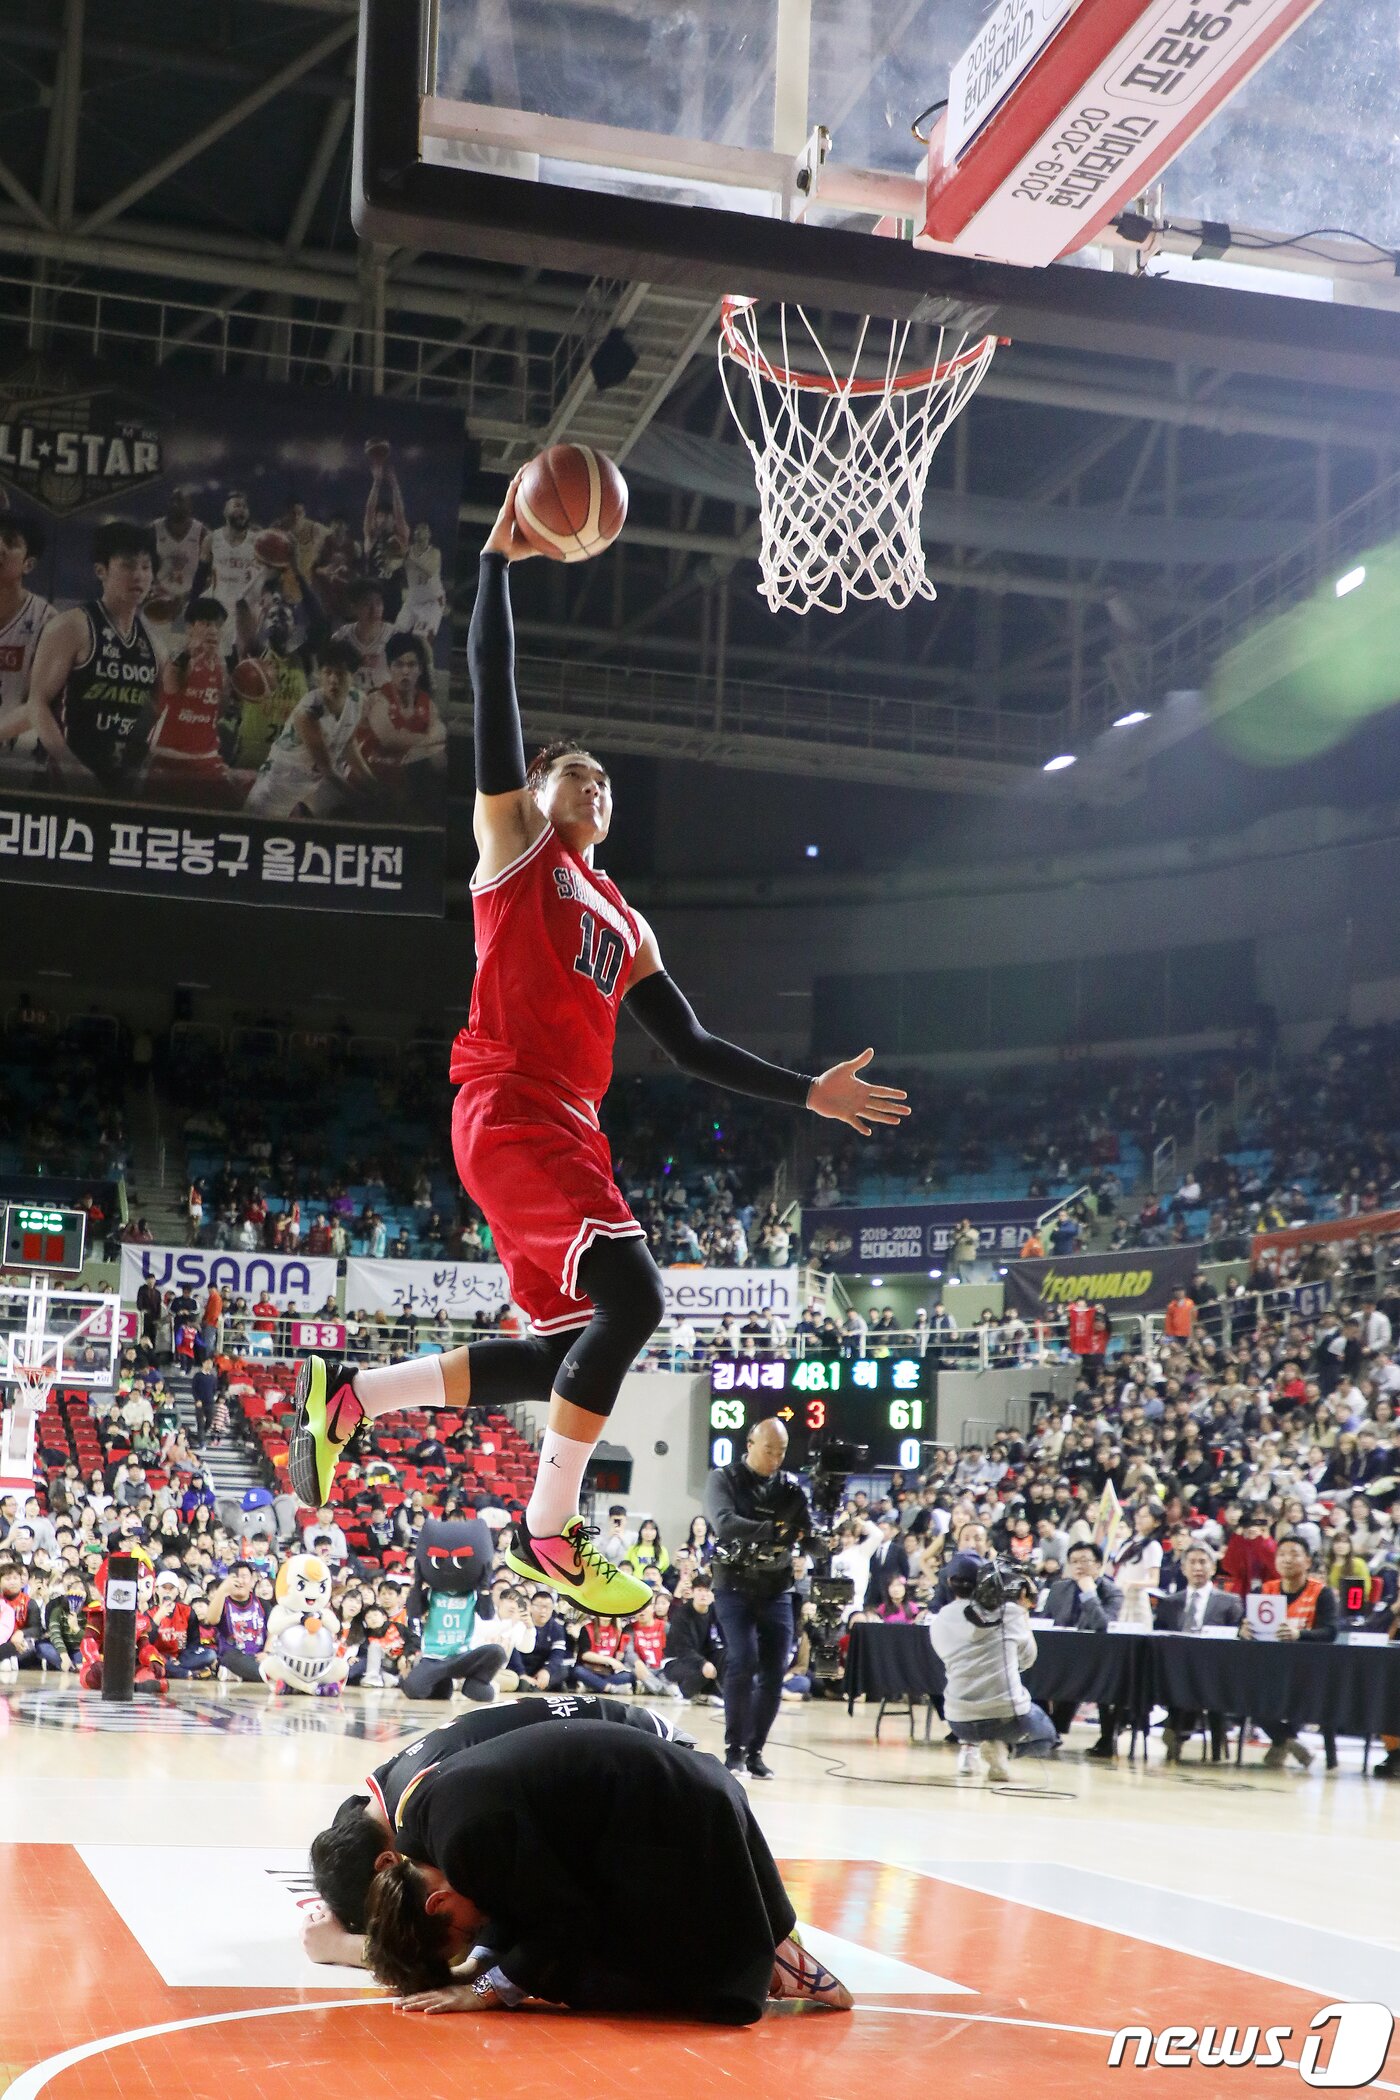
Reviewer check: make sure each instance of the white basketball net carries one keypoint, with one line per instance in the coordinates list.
(842, 457)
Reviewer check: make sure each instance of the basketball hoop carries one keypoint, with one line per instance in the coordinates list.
(33, 1385)
(842, 458)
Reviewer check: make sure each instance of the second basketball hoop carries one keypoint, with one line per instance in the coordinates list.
(843, 450)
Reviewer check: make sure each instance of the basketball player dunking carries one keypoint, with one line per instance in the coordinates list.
(559, 950)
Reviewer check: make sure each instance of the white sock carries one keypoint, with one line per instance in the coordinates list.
(416, 1382)
(557, 1484)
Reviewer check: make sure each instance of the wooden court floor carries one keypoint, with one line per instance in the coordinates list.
(151, 1859)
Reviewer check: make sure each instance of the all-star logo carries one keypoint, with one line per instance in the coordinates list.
(67, 451)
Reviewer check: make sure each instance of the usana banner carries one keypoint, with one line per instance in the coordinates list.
(287, 1279)
(223, 640)
(915, 1235)
(1139, 1280)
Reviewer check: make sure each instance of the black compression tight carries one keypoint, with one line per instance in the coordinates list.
(585, 1365)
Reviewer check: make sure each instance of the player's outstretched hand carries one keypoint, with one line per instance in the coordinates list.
(457, 1997)
(505, 536)
(843, 1096)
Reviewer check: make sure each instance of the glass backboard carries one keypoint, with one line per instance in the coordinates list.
(653, 141)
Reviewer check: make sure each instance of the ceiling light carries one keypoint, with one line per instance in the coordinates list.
(1057, 765)
(1352, 581)
(1138, 714)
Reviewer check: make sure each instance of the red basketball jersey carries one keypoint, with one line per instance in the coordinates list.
(555, 942)
(187, 728)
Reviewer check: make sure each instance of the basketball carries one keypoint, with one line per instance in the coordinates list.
(571, 503)
(274, 548)
(252, 680)
(377, 451)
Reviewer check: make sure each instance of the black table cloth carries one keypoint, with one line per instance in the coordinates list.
(1347, 1690)
(898, 1662)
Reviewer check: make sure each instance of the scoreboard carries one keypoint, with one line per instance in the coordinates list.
(41, 1236)
(886, 1402)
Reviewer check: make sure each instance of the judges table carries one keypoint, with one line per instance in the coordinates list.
(1344, 1690)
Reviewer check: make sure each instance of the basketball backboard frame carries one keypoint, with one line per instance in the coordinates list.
(402, 198)
(40, 1321)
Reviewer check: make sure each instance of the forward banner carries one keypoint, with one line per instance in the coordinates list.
(1139, 1280)
(462, 1289)
(303, 1280)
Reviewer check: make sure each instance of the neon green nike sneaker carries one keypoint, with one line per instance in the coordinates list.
(572, 1564)
(327, 1416)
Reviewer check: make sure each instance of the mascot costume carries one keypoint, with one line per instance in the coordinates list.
(150, 1664)
(451, 1573)
(301, 1651)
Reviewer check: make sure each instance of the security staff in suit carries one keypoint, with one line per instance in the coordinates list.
(889, 1559)
(1199, 1605)
(1086, 1599)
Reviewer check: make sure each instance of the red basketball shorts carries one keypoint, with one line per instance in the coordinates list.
(542, 1174)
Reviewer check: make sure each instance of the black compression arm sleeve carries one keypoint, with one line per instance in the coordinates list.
(500, 748)
(668, 1017)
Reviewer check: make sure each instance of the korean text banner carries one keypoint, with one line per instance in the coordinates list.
(306, 1281)
(223, 640)
(1139, 1280)
(915, 1235)
(462, 1289)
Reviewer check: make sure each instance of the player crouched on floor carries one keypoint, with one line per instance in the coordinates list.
(361, 1838)
(509, 1852)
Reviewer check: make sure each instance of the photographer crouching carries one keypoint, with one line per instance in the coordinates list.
(983, 1638)
(759, 1513)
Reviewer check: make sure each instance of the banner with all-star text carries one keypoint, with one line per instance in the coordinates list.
(224, 642)
(1139, 1280)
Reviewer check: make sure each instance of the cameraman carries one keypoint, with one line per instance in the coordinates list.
(984, 1640)
(759, 1513)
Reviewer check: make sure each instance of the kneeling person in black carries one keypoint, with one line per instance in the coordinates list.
(540, 1837)
(361, 1839)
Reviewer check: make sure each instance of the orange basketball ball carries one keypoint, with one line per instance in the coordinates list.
(571, 502)
(252, 679)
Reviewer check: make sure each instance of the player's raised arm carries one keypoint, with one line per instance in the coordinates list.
(661, 1008)
(505, 818)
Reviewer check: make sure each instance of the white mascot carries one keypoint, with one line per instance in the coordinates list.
(300, 1655)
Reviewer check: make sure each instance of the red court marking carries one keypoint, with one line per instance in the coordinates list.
(75, 1973)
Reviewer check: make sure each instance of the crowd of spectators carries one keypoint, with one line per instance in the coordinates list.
(1252, 1447)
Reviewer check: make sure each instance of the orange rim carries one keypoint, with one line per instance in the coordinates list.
(822, 382)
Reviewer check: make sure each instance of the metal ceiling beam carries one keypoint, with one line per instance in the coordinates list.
(275, 85)
(174, 57)
(30, 206)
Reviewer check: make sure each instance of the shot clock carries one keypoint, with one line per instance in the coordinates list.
(886, 1402)
(41, 1236)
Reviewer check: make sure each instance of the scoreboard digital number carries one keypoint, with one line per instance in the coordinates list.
(40, 1236)
(885, 1402)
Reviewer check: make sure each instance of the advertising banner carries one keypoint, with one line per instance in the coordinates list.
(462, 1289)
(288, 1279)
(1139, 1280)
(1366, 1225)
(915, 1235)
(223, 640)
